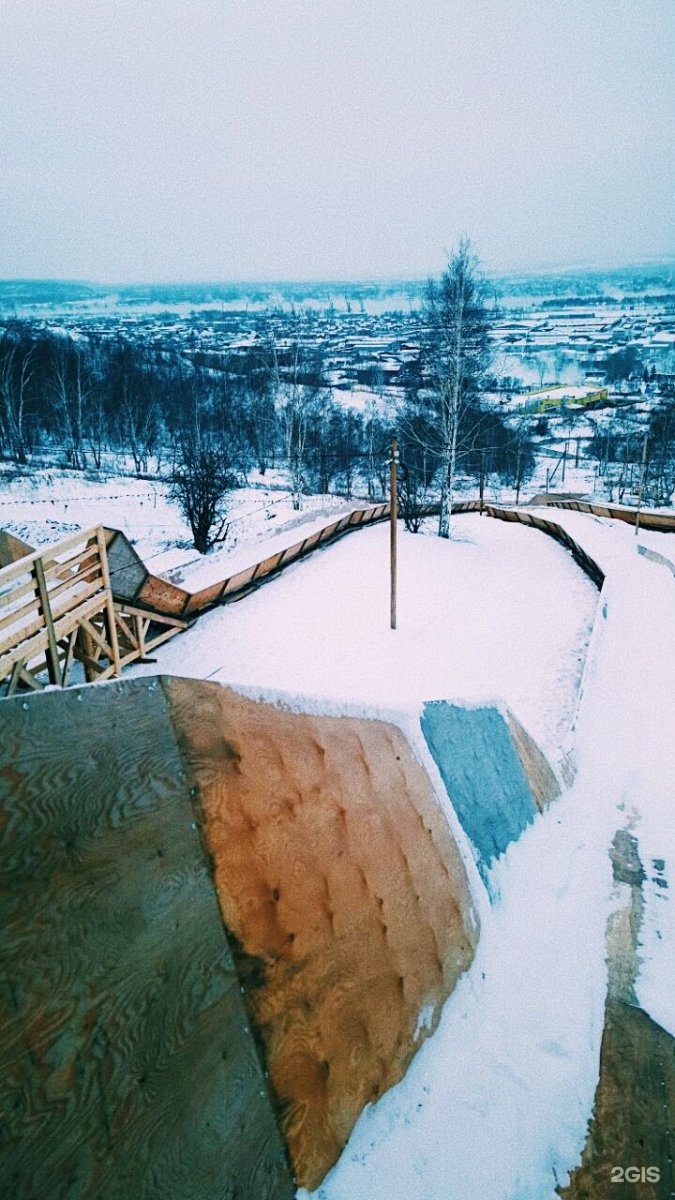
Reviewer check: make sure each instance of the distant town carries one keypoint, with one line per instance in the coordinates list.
(581, 368)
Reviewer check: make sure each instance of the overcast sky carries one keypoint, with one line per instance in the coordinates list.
(146, 140)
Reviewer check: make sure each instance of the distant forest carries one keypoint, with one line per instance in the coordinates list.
(104, 401)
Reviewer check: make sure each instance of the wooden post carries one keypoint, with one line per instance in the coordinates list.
(393, 510)
(53, 664)
(110, 606)
(547, 475)
(518, 476)
(642, 484)
(482, 481)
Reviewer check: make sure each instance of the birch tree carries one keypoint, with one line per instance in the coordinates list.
(456, 357)
(16, 372)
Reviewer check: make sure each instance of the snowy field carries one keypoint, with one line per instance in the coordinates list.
(43, 506)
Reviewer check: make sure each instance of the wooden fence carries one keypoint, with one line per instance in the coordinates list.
(649, 518)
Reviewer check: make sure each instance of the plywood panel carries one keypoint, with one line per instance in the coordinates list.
(483, 774)
(126, 1068)
(633, 1113)
(344, 892)
(12, 548)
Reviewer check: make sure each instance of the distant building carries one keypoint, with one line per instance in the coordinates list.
(563, 394)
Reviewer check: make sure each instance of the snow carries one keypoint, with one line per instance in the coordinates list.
(498, 612)
(258, 543)
(627, 745)
(563, 392)
(497, 1103)
(43, 506)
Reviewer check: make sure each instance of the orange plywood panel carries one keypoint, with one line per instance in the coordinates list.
(344, 895)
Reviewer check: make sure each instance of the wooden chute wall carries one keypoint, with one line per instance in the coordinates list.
(495, 775)
(649, 518)
(12, 548)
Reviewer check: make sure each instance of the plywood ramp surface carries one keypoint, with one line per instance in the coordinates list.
(127, 1069)
(633, 1114)
(344, 895)
(496, 776)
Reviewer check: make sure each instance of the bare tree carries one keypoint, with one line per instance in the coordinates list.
(297, 363)
(16, 371)
(71, 388)
(201, 485)
(456, 357)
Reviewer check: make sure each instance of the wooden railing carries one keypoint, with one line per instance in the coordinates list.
(57, 607)
(649, 517)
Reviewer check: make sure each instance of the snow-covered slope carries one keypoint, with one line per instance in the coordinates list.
(499, 612)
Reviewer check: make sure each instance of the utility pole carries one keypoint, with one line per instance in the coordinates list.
(518, 475)
(393, 496)
(642, 483)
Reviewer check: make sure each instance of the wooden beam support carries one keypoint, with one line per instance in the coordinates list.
(110, 604)
(53, 664)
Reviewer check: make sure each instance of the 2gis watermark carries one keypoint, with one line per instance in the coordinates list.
(635, 1175)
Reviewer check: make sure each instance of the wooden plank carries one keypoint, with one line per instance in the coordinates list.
(53, 665)
(205, 597)
(153, 642)
(238, 581)
(328, 531)
(12, 594)
(68, 604)
(22, 612)
(88, 574)
(162, 617)
(162, 596)
(140, 627)
(49, 555)
(110, 607)
(347, 897)
(24, 632)
(12, 548)
(68, 660)
(98, 637)
(28, 678)
(127, 1065)
(632, 1117)
(58, 611)
(60, 568)
(126, 633)
(37, 644)
(93, 666)
(14, 677)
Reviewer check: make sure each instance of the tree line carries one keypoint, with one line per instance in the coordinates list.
(102, 400)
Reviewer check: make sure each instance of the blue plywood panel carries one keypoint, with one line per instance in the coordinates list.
(483, 775)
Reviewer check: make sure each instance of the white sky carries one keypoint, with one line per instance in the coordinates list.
(298, 139)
